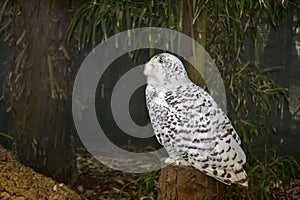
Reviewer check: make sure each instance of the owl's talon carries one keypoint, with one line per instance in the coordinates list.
(169, 161)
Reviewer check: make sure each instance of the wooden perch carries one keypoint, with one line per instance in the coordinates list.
(182, 183)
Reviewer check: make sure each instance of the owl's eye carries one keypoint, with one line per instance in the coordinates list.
(160, 60)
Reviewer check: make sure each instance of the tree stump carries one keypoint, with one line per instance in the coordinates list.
(187, 183)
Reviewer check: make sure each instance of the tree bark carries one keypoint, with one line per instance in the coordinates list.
(42, 79)
(181, 183)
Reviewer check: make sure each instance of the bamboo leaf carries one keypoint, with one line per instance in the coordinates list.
(103, 7)
(194, 5)
(127, 15)
(217, 8)
(80, 29)
(270, 69)
(94, 32)
(74, 21)
(86, 34)
(104, 30)
(142, 13)
(235, 35)
(242, 4)
(118, 15)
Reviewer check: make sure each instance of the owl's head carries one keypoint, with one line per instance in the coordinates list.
(164, 69)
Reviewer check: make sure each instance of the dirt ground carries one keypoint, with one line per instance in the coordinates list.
(95, 182)
(18, 182)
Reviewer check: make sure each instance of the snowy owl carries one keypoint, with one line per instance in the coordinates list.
(189, 124)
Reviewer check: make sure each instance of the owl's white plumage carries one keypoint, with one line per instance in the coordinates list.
(189, 124)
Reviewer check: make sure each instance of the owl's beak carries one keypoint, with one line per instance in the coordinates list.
(147, 69)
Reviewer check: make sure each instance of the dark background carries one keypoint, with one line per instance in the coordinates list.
(280, 47)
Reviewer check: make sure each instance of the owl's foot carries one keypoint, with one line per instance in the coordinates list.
(170, 161)
(176, 162)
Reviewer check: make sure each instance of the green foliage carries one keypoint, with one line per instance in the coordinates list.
(267, 178)
(251, 94)
(145, 184)
(110, 17)
(228, 23)
(95, 20)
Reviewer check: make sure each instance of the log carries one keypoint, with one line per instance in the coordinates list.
(187, 183)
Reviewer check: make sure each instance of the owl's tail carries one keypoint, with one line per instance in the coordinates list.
(235, 175)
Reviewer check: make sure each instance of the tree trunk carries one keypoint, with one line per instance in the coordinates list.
(197, 31)
(180, 183)
(42, 80)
